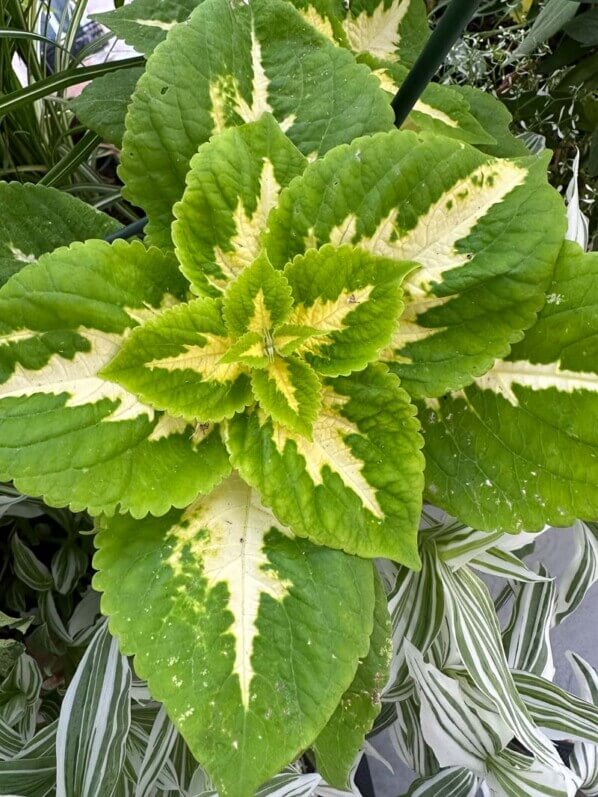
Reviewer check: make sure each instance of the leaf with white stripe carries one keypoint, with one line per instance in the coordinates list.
(237, 616)
(504, 564)
(519, 448)
(449, 782)
(28, 777)
(586, 676)
(407, 739)
(512, 774)
(475, 628)
(67, 433)
(526, 638)
(355, 484)
(260, 57)
(143, 24)
(338, 745)
(94, 721)
(289, 783)
(485, 232)
(233, 182)
(581, 572)
(458, 734)
(156, 754)
(36, 219)
(583, 762)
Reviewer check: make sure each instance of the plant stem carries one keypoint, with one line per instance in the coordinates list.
(450, 27)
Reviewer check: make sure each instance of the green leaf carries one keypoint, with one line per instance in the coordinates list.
(173, 363)
(494, 117)
(94, 721)
(485, 232)
(33, 777)
(356, 484)
(350, 299)
(36, 220)
(259, 300)
(66, 433)
(392, 29)
(519, 448)
(450, 782)
(248, 635)
(288, 391)
(233, 182)
(581, 572)
(338, 745)
(258, 57)
(102, 105)
(551, 18)
(143, 24)
(18, 623)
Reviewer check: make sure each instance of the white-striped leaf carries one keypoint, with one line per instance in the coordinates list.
(583, 762)
(42, 744)
(355, 484)
(143, 24)
(159, 747)
(407, 739)
(94, 722)
(232, 184)
(28, 568)
(327, 98)
(556, 710)
(485, 232)
(504, 564)
(338, 745)
(581, 572)
(35, 219)
(416, 607)
(11, 742)
(289, 783)
(586, 676)
(238, 619)
(458, 734)
(28, 777)
(518, 449)
(390, 29)
(512, 774)
(449, 782)
(68, 565)
(526, 638)
(474, 626)
(67, 433)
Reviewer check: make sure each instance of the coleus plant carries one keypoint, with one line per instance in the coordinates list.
(240, 400)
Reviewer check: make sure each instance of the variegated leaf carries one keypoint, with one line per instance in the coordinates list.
(485, 233)
(407, 739)
(519, 448)
(256, 57)
(391, 29)
(35, 219)
(338, 745)
(143, 24)
(350, 299)
(67, 433)
(252, 636)
(512, 774)
(355, 484)
(233, 182)
(449, 782)
(173, 362)
(581, 573)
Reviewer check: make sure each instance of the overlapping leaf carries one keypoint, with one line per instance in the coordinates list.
(252, 636)
(67, 433)
(485, 232)
(233, 182)
(519, 448)
(355, 484)
(258, 57)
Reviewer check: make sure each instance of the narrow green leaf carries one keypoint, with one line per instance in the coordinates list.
(33, 777)
(94, 722)
(250, 637)
(552, 17)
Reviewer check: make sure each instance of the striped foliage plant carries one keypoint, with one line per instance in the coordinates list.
(328, 322)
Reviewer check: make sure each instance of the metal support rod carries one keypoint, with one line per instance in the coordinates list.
(129, 231)
(449, 28)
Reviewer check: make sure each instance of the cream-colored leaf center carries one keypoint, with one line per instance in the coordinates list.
(226, 533)
(205, 360)
(377, 33)
(279, 372)
(537, 376)
(330, 315)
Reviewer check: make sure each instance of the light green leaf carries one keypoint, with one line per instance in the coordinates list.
(450, 782)
(68, 434)
(256, 58)
(94, 721)
(338, 745)
(350, 299)
(233, 182)
(519, 448)
(18, 623)
(102, 105)
(259, 300)
(355, 484)
(581, 572)
(36, 219)
(494, 117)
(526, 638)
(237, 618)
(143, 24)
(392, 29)
(173, 363)
(485, 232)
(288, 391)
